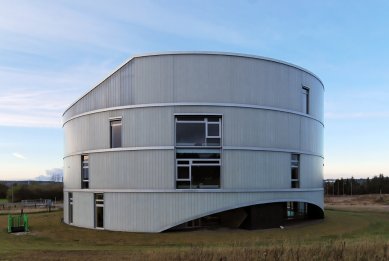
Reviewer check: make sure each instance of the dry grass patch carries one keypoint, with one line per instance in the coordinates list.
(341, 235)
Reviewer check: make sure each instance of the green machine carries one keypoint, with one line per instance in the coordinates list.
(17, 223)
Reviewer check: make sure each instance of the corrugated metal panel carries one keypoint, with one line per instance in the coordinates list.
(311, 171)
(140, 128)
(311, 136)
(72, 172)
(316, 95)
(153, 212)
(83, 209)
(152, 79)
(87, 133)
(132, 169)
(203, 78)
(256, 169)
(126, 85)
(148, 127)
(155, 127)
(235, 80)
(193, 78)
(66, 207)
(260, 128)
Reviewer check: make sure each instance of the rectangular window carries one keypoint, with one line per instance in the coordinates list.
(70, 207)
(116, 133)
(199, 131)
(305, 100)
(84, 171)
(295, 171)
(198, 149)
(99, 210)
(198, 170)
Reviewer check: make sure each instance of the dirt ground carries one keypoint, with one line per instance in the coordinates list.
(371, 202)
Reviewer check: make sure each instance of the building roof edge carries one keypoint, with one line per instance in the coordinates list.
(194, 53)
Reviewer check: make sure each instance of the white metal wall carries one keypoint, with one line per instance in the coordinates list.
(257, 142)
(83, 209)
(72, 172)
(255, 169)
(148, 169)
(203, 78)
(143, 127)
(155, 212)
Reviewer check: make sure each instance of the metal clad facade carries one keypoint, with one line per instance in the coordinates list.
(263, 123)
(168, 209)
(146, 169)
(83, 209)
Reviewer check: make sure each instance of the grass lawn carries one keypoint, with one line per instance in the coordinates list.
(3, 200)
(342, 235)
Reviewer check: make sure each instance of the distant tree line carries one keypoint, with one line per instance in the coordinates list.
(376, 185)
(18, 192)
(3, 190)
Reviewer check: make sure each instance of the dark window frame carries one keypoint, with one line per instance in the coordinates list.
(85, 169)
(114, 122)
(207, 121)
(98, 204)
(306, 94)
(194, 156)
(295, 169)
(70, 207)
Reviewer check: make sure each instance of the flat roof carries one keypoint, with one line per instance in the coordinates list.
(193, 52)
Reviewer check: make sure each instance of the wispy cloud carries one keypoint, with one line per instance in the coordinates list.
(38, 99)
(18, 155)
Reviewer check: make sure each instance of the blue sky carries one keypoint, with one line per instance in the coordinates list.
(53, 51)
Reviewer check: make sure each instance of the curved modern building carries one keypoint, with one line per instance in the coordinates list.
(189, 139)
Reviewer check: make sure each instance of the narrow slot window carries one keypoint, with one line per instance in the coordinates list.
(116, 133)
(305, 100)
(295, 171)
(84, 171)
(70, 207)
(99, 210)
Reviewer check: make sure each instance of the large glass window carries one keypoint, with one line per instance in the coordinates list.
(305, 100)
(99, 210)
(84, 171)
(198, 131)
(198, 149)
(295, 171)
(70, 207)
(116, 133)
(198, 169)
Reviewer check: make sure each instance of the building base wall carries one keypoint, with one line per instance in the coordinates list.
(159, 211)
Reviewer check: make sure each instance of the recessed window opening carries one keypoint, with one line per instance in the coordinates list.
(198, 131)
(198, 174)
(84, 171)
(99, 210)
(70, 207)
(116, 133)
(305, 100)
(295, 171)
(198, 149)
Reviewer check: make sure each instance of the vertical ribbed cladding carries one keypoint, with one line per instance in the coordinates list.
(259, 100)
